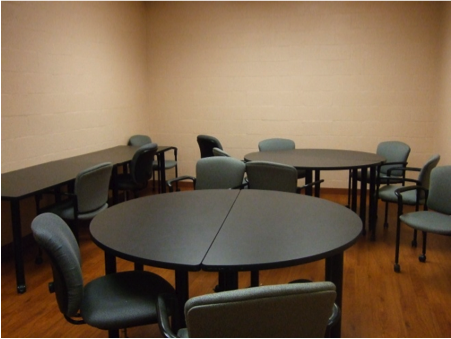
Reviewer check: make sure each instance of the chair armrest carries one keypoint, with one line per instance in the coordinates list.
(166, 304)
(404, 169)
(168, 148)
(299, 189)
(183, 177)
(399, 191)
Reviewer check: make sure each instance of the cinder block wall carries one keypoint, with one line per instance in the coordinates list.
(327, 75)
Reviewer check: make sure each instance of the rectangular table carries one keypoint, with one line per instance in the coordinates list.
(20, 184)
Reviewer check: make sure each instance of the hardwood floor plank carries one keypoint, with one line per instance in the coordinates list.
(377, 302)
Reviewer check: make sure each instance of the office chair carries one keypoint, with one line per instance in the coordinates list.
(89, 197)
(435, 218)
(140, 140)
(279, 144)
(140, 172)
(215, 173)
(281, 311)
(111, 302)
(387, 192)
(396, 154)
(206, 144)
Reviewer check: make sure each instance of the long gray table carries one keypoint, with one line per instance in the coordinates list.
(227, 231)
(26, 182)
(317, 160)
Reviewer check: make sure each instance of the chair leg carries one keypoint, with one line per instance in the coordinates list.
(414, 240)
(386, 215)
(398, 235)
(349, 189)
(255, 279)
(422, 257)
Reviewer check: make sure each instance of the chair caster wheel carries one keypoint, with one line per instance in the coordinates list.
(397, 268)
(414, 243)
(422, 258)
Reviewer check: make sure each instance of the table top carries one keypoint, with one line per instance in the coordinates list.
(319, 159)
(27, 181)
(225, 229)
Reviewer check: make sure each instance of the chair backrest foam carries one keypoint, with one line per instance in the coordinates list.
(276, 144)
(265, 175)
(219, 173)
(288, 310)
(425, 173)
(58, 241)
(91, 187)
(206, 144)
(439, 198)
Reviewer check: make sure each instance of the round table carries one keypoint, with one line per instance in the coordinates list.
(317, 160)
(227, 231)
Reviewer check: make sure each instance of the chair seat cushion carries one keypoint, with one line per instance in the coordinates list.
(387, 193)
(428, 221)
(122, 300)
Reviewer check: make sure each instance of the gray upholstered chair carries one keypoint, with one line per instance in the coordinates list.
(436, 218)
(139, 174)
(279, 144)
(111, 302)
(282, 311)
(215, 173)
(396, 154)
(140, 140)
(206, 144)
(90, 196)
(387, 193)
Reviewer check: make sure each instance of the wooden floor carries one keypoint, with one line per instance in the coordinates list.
(377, 302)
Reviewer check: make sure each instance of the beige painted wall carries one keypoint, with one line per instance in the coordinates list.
(74, 78)
(327, 75)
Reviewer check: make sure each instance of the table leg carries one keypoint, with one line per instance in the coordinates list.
(334, 273)
(363, 184)
(162, 172)
(17, 243)
(114, 185)
(110, 263)
(354, 190)
(373, 203)
(308, 180)
(182, 290)
(317, 186)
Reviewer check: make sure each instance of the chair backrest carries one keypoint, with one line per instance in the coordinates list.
(439, 198)
(276, 144)
(139, 140)
(219, 173)
(206, 144)
(139, 167)
(56, 238)
(265, 175)
(91, 187)
(393, 151)
(288, 310)
(217, 152)
(425, 173)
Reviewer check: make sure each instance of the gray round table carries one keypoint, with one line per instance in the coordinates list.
(227, 231)
(317, 160)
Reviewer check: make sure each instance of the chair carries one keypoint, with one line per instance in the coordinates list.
(139, 174)
(387, 192)
(215, 173)
(217, 152)
(206, 144)
(436, 216)
(279, 144)
(140, 140)
(111, 302)
(396, 154)
(90, 197)
(282, 311)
